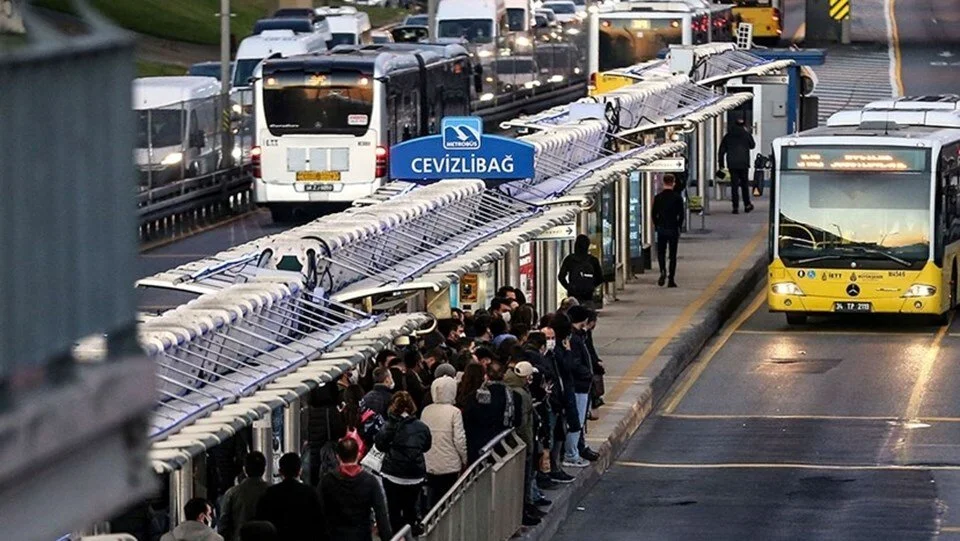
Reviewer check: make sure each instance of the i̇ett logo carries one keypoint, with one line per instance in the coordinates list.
(461, 132)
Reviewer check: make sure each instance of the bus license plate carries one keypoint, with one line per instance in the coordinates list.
(852, 307)
(318, 187)
(318, 176)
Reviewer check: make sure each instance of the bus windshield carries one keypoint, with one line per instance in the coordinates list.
(625, 42)
(159, 128)
(317, 103)
(473, 30)
(516, 19)
(831, 219)
(244, 71)
(342, 38)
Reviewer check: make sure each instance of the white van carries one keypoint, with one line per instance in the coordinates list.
(254, 49)
(482, 23)
(347, 25)
(177, 120)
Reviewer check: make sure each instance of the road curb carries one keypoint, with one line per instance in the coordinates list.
(674, 359)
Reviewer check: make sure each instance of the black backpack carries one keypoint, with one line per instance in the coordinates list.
(582, 279)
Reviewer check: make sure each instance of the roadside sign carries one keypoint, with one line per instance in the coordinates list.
(461, 151)
(560, 232)
(839, 9)
(665, 165)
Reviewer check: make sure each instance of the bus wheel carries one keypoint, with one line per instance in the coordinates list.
(280, 213)
(953, 288)
(796, 319)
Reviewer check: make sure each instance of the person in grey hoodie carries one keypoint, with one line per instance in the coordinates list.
(196, 527)
(448, 455)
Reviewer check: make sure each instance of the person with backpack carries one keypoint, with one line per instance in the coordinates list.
(580, 273)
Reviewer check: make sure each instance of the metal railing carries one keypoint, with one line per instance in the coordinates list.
(486, 503)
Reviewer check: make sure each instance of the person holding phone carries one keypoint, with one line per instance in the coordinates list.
(197, 526)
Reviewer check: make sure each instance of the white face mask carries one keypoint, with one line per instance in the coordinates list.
(506, 317)
(551, 344)
(463, 335)
(353, 378)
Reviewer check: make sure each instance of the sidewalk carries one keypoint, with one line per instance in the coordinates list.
(650, 334)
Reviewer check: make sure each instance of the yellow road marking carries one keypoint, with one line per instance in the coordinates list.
(783, 466)
(926, 371)
(897, 58)
(800, 34)
(722, 416)
(818, 332)
(192, 232)
(697, 369)
(653, 350)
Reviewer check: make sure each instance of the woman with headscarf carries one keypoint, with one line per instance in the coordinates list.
(448, 454)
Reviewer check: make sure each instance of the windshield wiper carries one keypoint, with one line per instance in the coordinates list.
(819, 258)
(891, 257)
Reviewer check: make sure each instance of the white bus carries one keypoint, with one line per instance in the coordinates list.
(623, 34)
(254, 49)
(325, 123)
(347, 26)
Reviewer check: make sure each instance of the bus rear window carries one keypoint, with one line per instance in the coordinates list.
(625, 42)
(317, 103)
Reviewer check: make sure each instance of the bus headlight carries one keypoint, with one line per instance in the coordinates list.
(786, 288)
(237, 153)
(523, 41)
(573, 31)
(172, 159)
(919, 290)
(485, 53)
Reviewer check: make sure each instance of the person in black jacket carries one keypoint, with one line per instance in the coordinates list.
(325, 424)
(292, 506)
(734, 151)
(582, 368)
(580, 272)
(349, 494)
(404, 440)
(668, 214)
(489, 410)
(379, 397)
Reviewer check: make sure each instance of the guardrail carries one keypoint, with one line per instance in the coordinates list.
(486, 503)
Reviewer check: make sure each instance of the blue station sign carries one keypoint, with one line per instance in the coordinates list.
(461, 151)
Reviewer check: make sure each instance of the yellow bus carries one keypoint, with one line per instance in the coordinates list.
(866, 212)
(766, 16)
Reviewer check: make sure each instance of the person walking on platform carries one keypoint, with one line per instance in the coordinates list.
(293, 507)
(580, 272)
(240, 502)
(199, 515)
(734, 151)
(668, 216)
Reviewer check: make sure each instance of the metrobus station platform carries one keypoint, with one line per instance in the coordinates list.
(650, 334)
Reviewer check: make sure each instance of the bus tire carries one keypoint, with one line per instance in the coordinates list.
(796, 319)
(953, 288)
(280, 213)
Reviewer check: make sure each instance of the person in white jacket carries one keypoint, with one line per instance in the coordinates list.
(448, 455)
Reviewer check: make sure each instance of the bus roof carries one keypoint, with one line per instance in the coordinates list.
(284, 42)
(376, 63)
(883, 127)
(650, 7)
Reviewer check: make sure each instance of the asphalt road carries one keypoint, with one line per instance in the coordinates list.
(837, 430)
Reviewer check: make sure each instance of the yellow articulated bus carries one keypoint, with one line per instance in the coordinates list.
(866, 213)
(766, 16)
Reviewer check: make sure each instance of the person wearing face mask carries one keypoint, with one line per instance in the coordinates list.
(378, 398)
(582, 367)
(199, 516)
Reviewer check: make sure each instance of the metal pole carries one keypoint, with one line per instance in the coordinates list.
(648, 238)
(181, 491)
(432, 20)
(623, 228)
(845, 30)
(702, 172)
(511, 264)
(226, 143)
(263, 442)
(291, 427)
(550, 268)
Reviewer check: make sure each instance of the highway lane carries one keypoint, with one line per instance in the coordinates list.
(840, 429)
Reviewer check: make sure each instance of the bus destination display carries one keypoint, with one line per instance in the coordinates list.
(861, 159)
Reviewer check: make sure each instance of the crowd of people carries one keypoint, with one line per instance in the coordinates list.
(388, 439)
